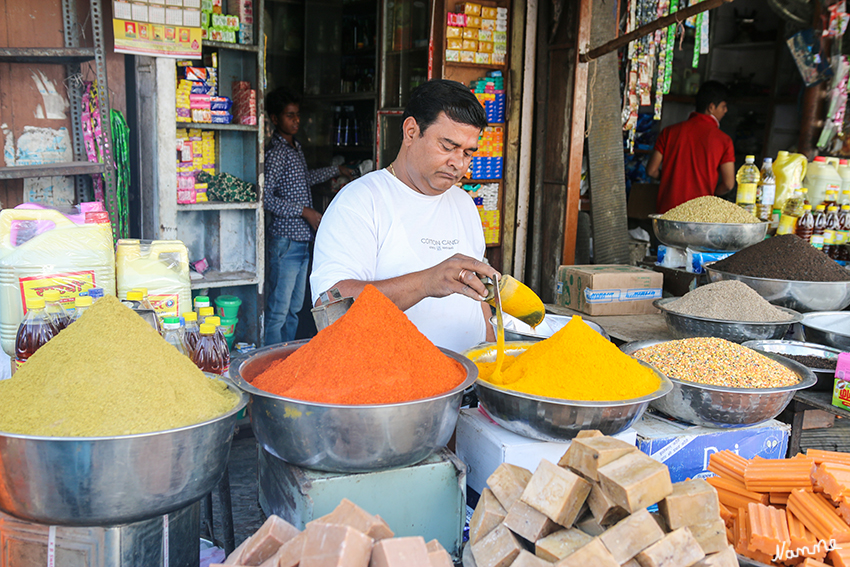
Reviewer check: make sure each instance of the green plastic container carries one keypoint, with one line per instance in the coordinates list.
(228, 306)
(229, 326)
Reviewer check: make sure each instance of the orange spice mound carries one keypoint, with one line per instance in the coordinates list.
(371, 355)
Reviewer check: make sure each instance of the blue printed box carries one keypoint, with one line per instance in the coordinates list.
(685, 448)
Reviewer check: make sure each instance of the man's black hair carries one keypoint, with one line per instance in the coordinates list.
(278, 99)
(711, 92)
(439, 95)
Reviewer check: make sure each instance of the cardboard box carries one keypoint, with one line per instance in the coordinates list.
(685, 448)
(608, 289)
(484, 445)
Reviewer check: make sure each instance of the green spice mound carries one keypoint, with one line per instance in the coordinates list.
(109, 373)
(709, 209)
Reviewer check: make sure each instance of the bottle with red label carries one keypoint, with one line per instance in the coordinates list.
(33, 332)
(207, 355)
(55, 311)
(220, 340)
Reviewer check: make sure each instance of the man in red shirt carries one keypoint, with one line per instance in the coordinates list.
(698, 158)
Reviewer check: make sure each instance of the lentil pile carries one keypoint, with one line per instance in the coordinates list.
(576, 363)
(728, 300)
(786, 257)
(109, 373)
(710, 209)
(716, 362)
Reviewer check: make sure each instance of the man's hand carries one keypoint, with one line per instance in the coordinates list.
(458, 274)
(312, 216)
(347, 171)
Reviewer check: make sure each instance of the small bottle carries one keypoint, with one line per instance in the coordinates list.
(806, 224)
(55, 311)
(205, 312)
(33, 332)
(766, 193)
(220, 340)
(201, 301)
(172, 332)
(845, 198)
(135, 301)
(831, 199)
(95, 293)
(146, 304)
(207, 355)
(829, 247)
(820, 226)
(843, 237)
(805, 192)
(191, 332)
(791, 211)
(748, 178)
(81, 304)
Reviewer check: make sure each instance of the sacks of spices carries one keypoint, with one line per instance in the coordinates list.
(109, 373)
(576, 363)
(710, 209)
(371, 355)
(786, 257)
(716, 362)
(729, 300)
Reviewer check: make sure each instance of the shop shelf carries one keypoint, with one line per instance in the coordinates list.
(217, 206)
(233, 46)
(50, 169)
(214, 278)
(56, 55)
(209, 126)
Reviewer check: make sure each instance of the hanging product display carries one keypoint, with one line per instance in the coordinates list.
(121, 155)
(837, 98)
(93, 133)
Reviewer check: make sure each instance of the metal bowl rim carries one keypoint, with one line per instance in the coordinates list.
(709, 268)
(243, 401)
(492, 321)
(664, 388)
(469, 366)
(657, 217)
(807, 317)
(807, 377)
(756, 343)
(661, 304)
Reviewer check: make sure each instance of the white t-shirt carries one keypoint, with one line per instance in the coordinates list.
(378, 228)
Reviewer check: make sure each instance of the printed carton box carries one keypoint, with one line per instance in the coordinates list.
(608, 289)
(841, 390)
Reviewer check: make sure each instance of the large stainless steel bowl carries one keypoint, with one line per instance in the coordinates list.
(722, 407)
(516, 330)
(102, 481)
(686, 326)
(797, 295)
(829, 328)
(826, 378)
(551, 419)
(708, 236)
(346, 438)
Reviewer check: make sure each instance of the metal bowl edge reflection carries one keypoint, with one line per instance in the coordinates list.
(347, 438)
(708, 236)
(550, 419)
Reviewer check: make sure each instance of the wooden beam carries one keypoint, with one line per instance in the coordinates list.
(649, 28)
(576, 143)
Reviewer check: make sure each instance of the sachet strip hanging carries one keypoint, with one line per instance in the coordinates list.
(121, 155)
(93, 134)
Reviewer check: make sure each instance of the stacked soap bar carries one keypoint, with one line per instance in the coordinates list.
(796, 509)
(589, 510)
(487, 162)
(490, 92)
(349, 536)
(477, 34)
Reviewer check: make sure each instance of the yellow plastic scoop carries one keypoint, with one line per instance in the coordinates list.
(517, 300)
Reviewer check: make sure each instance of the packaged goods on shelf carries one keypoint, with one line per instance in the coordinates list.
(244, 9)
(244, 108)
(217, 6)
(492, 225)
(469, 8)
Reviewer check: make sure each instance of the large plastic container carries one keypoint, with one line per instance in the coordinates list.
(160, 266)
(844, 172)
(42, 249)
(789, 169)
(821, 177)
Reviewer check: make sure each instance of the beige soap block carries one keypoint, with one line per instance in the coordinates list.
(711, 536)
(631, 535)
(440, 558)
(635, 481)
(507, 482)
(692, 502)
(289, 554)
(526, 559)
(498, 549)
(350, 514)
(594, 554)
(434, 545)
(400, 552)
(631, 563)
(488, 514)
(274, 532)
(676, 549)
(556, 492)
(335, 545)
(603, 508)
(588, 524)
(725, 558)
(560, 544)
(588, 454)
(235, 557)
(527, 522)
(581, 435)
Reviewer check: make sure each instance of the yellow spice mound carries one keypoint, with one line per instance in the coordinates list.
(108, 374)
(576, 363)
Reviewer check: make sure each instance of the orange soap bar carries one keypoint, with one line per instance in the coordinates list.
(833, 478)
(840, 557)
(737, 488)
(809, 562)
(821, 456)
(819, 516)
(768, 528)
(802, 540)
(779, 475)
(728, 465)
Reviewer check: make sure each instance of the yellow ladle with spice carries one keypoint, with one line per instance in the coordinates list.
(517, 300)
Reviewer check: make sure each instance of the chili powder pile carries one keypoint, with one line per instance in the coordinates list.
(371, 355)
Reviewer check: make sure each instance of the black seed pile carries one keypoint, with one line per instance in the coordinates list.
(818, 362)
(786, 257)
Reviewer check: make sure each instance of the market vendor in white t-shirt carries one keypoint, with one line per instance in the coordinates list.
(410, 231)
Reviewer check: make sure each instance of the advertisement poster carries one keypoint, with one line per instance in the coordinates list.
(142, 30)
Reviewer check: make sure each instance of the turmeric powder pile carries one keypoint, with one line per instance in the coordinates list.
(576, 363)
(109, 373)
